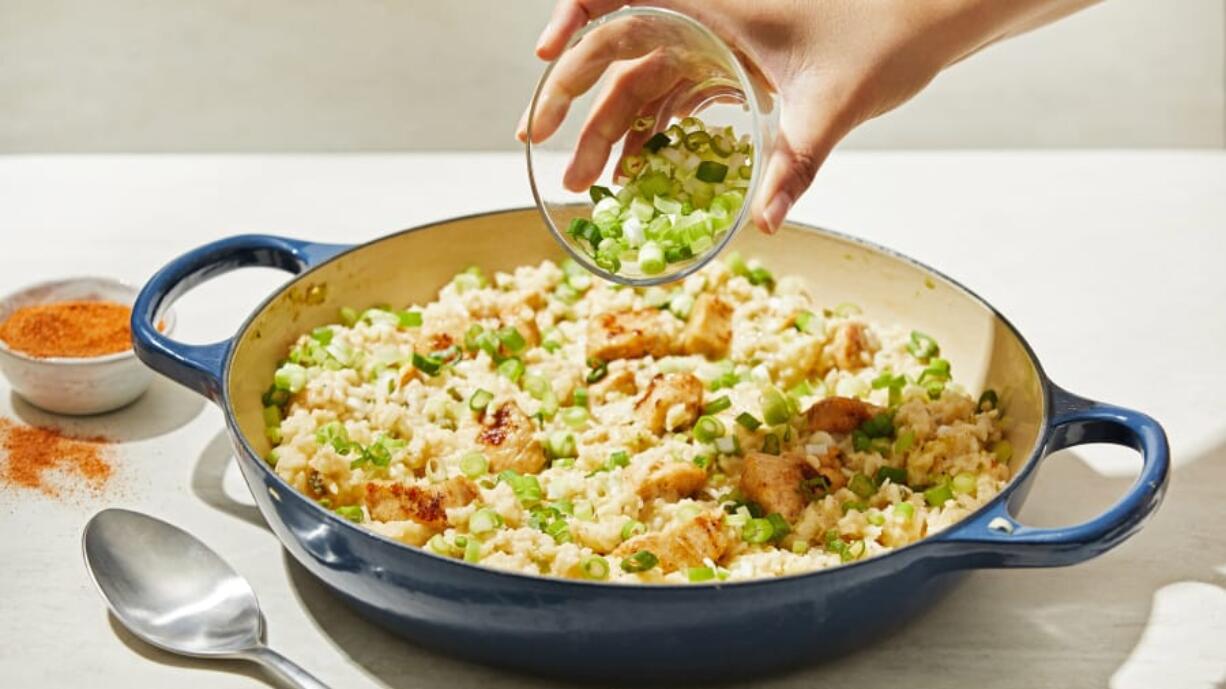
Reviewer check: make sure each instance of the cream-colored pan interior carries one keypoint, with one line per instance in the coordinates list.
(411, 266)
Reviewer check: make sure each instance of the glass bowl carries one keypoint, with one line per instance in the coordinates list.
(657, 93)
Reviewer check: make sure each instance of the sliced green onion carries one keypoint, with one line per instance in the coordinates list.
(905, 510)
(707, 429)
(426, 364)
(511, 369)
(748, 421)
(618, 459)
(526, 488)
(716, 405)
(351, 512)
(800, 547)
(775, 408)
(633, 528)
(599, 370)
(472, 550)
(905, 441)
(480, 400)
(512, 339)
(561, 444)
(272, 416)
(580, 397)
(641, 561)
(290, 377)
(922, 346)
(1003, 451)
(322, 335)
(700, 574)
(770, 444)
(964, 483)
(860, 441)
(349, 316)
(575, 417)
(779, 526)
(651, 259)
(988, 401)
(894, 475)
(484, 520)
(758, 530)
(879, 426)
(862, 485)
(409, 319)
(536, 385)
(938, 494)
(595, 568)
(474, 464)
(807, 322)
(598, 192)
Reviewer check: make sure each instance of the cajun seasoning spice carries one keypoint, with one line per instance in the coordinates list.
(31, 453)
(69, 329)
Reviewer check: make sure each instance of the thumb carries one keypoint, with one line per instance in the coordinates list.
(808, 129)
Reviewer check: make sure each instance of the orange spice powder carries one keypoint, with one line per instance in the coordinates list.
(31, 454)
(69, 329)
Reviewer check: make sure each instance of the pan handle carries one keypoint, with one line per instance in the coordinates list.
(995, 539)
(199, 367)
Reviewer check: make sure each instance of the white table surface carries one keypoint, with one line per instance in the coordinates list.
(1112, 263)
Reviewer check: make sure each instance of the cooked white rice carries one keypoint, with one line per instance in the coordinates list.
(679, 509)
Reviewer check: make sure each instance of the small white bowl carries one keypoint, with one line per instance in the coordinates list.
(76, 385)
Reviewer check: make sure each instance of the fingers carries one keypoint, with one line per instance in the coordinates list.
(628, 93)
(568, 17)
(580, 68)
(809, 128)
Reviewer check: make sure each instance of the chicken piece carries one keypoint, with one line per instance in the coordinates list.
(850, 347)
(617, 381)
(774, 482)
(391, 502)
(839, 414)
(629, 335)
(672, 481)
(673, 401)
(709, 330)
(830, 467)
(682, 545)
(508, 436)
(441, 328)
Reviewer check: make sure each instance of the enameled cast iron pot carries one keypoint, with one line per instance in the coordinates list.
(603, 631)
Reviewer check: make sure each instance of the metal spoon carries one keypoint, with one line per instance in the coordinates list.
(171, 590)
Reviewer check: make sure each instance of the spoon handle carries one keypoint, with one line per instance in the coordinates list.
(283, 668)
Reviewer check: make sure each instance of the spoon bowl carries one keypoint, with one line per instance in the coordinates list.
(176, 593)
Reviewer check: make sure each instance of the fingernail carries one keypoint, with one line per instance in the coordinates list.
(776, 211)
(521, 129)
(544, 37)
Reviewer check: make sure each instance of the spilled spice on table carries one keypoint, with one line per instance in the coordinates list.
(47, 460)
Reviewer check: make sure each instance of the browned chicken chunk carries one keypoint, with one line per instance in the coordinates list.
(839, 414)
(709, 330)
(850, 347)
(617, 381)
(628, 335)
(682, 545)
(681, 390)
(507, 436)
(774, 483)
(672, 481)
(389, 502)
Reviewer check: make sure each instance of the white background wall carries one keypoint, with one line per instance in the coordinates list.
(319, 75)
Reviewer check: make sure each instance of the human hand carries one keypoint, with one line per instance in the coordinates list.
(834, 64)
